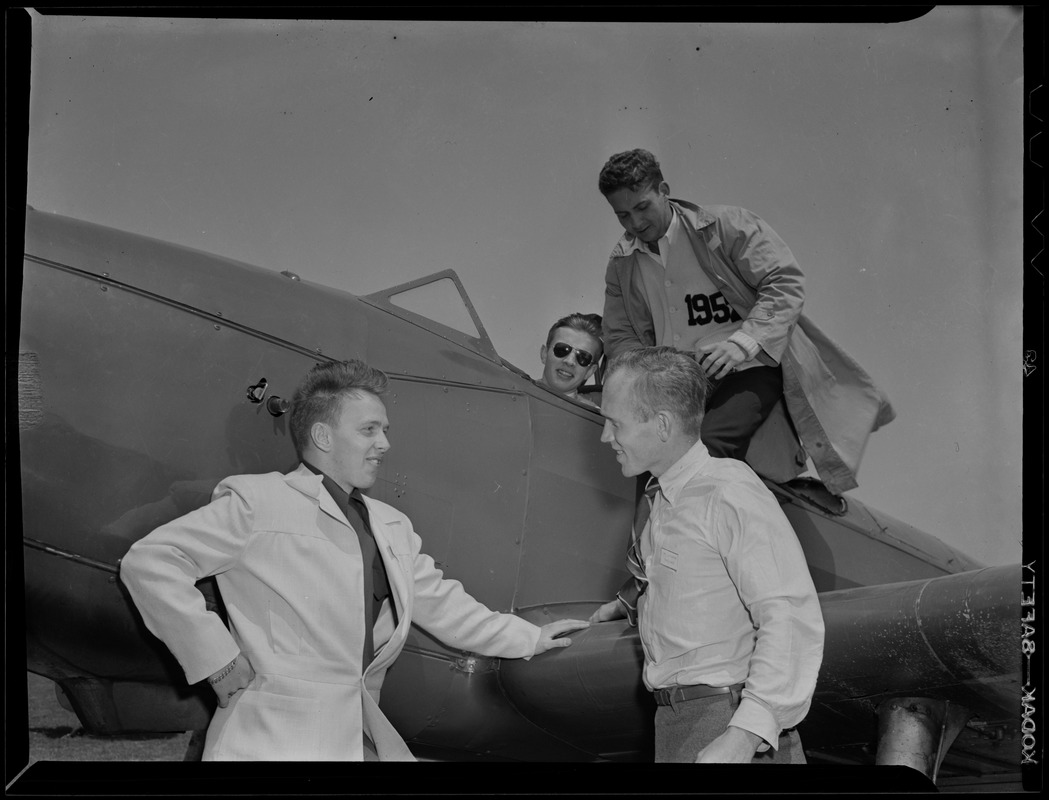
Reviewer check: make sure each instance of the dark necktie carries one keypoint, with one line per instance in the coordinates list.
(376, 581)
(380, 581)
(635, 587)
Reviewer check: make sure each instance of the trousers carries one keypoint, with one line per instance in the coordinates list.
(685, 728)
(736, 407)
(369, 749)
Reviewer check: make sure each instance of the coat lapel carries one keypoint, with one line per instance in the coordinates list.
(310, 484)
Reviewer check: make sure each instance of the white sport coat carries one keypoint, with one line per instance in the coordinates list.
(290, 570)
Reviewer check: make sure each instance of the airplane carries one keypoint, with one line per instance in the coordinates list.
(148, 371)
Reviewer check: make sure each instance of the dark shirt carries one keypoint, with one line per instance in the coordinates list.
(376, 581)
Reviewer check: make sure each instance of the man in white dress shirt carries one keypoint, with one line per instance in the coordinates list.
(728, 615)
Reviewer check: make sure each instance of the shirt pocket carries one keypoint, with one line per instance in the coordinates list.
(690, 603)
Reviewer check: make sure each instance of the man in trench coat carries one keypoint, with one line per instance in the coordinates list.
(719, 283)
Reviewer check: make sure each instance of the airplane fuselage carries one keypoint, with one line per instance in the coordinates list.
(137, 364)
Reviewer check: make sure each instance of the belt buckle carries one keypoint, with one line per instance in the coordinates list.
(665, 696)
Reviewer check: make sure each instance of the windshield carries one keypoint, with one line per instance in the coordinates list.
(440, 304)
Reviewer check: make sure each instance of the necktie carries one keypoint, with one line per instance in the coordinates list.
(380, 582)
(635, 563)
(376, 582)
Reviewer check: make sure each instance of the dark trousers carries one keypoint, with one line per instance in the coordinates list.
(685, 728)
(369, 749)
(736, 407)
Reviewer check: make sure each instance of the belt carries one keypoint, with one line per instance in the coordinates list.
(677, 694)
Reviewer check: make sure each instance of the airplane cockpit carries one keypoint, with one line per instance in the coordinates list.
(439, 303)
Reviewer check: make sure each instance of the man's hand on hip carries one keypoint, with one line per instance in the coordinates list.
(232, 678)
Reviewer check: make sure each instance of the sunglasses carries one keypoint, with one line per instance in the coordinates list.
(583, 358)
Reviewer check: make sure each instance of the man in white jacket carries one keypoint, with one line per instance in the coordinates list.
(320, 583)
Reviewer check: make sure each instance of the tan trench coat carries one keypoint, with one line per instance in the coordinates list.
(829, 402)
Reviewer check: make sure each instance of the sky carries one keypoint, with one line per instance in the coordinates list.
(364, 154)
